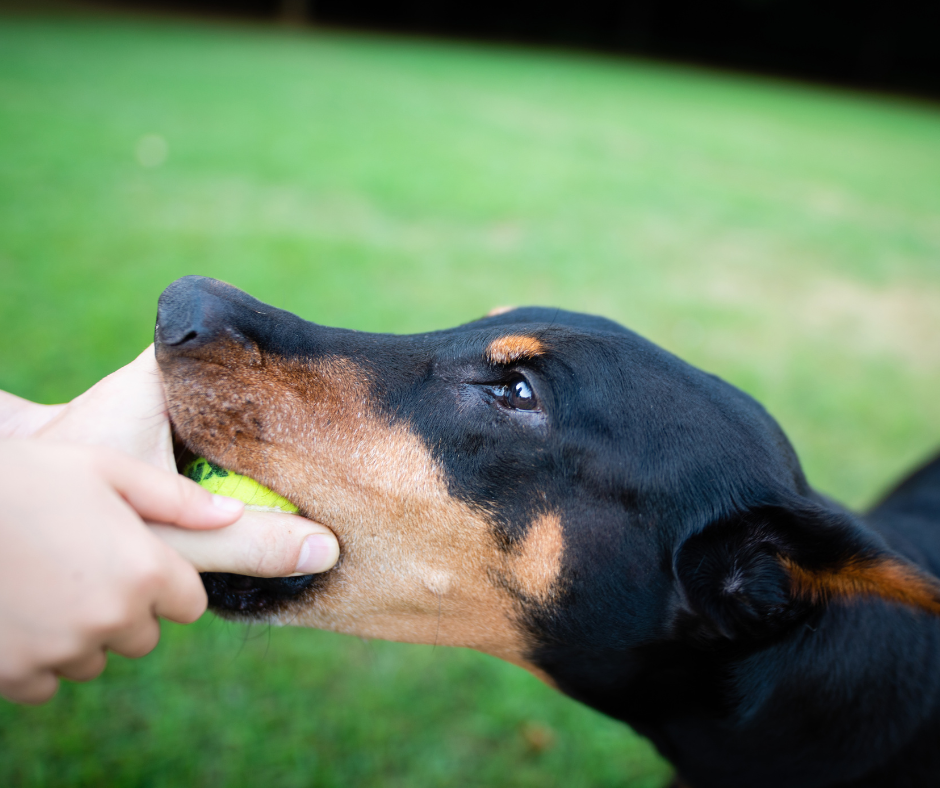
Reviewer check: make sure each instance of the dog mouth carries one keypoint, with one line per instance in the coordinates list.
(234, 595)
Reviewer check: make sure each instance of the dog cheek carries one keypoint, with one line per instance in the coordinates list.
(417, 565)
(535, 573)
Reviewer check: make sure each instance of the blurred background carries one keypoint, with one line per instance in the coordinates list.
(406, 167)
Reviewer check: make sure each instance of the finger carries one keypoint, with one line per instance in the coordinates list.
(183, 597)
(84, 668)
(166, 497)
(139, 640)
(260, 544)
(38, 688)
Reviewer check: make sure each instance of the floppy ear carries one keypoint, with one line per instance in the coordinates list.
(754, 573)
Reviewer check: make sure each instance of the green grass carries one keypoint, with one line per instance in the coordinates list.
(217, 704)
(782, 236)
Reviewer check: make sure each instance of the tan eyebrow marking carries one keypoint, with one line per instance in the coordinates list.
(514, 347)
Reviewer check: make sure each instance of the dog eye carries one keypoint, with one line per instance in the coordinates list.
(517, 394)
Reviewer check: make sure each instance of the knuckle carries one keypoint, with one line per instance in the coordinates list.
(146, 571)
(12, 673)
(32, 690)
(189, 494)
(88, 668)
(57, 647)
(184, 496)
(200, 599)
(174, 502)
(190, 599)
(96, 668)
(270, 555)
(109, 618)
(150, 576)
(138, 642)
(147, 641)
(194, 609)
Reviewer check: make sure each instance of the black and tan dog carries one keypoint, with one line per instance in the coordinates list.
(552, 489)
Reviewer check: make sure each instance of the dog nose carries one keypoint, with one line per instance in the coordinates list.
(190, 314)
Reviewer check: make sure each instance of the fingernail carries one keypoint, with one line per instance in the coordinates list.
(227, 505)
(317, 554)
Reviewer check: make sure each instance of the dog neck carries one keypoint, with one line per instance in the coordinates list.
(808, 709)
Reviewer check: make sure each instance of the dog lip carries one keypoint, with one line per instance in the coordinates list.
(241, 594)
(243, 591)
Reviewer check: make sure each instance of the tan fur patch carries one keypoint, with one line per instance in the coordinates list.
(499, 310)
(887, 578)
(536, 570)
(416, 564)
(514, 347)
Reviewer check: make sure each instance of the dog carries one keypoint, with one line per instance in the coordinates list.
(552, 489)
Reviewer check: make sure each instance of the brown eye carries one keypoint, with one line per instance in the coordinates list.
(521, 395)
(517, 394)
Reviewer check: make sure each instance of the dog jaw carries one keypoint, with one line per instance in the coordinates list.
(417, 565)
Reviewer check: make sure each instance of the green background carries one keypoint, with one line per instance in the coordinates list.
(783, 236)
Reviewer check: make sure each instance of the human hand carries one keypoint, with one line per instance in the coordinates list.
(80, 573)
(127, 410)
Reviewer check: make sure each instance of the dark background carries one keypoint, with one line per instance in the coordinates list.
(875, 45)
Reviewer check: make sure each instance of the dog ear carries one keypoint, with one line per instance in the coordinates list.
(752, 574)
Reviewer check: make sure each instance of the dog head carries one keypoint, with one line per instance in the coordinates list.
(544, 486)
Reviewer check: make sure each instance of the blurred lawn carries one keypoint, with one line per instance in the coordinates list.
(784, 237)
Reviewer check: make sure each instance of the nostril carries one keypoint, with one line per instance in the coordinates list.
(195, 312)
(187, 315)
(175, 335)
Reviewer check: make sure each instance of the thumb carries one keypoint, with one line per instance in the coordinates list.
(260, 544)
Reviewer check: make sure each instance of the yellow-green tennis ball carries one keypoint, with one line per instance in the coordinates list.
(220, 481)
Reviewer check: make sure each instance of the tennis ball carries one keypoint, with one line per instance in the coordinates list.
(220, 481)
